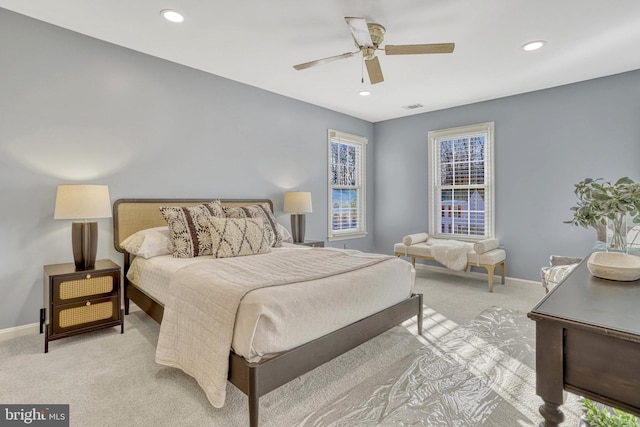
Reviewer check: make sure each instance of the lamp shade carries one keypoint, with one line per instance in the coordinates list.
(82, 202)
(297, 202)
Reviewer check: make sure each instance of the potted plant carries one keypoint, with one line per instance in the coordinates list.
(601, 201)
(600, 416)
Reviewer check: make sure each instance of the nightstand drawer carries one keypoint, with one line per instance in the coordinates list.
(85, 314)
(70, 289)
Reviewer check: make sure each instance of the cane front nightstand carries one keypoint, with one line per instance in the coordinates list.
(79, 301)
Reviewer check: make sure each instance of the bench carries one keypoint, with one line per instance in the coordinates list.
(484, 253)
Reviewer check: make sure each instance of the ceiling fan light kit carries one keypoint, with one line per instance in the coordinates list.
(368, 36)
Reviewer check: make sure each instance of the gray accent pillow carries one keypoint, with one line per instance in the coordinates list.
(233, 237)
(189, 227)
(261, 211)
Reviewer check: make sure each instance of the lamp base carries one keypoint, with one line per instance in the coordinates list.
(298, 225)
(84, 241)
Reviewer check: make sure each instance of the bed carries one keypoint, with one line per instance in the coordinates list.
(257, 369)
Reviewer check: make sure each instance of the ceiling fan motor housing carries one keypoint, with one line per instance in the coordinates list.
(377, 33)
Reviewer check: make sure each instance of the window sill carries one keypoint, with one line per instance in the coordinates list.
(347, 236)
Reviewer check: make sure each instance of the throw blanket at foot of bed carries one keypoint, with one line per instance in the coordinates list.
(451, 253)
(200, 310)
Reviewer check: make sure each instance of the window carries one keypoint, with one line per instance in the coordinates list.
(347, 160)
(461, 194)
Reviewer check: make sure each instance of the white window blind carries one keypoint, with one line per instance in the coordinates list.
(461, 187)
(347, 161)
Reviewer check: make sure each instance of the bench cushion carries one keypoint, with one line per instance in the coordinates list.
(491, 257)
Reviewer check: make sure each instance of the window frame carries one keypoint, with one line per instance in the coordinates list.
(361, 143)
(434, 165)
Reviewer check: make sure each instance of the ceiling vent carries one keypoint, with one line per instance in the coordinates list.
(413, 106)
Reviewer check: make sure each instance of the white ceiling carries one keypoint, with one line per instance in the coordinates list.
(257, 43)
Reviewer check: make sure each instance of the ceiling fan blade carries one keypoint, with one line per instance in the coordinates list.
(374, 70)
(416, 49)
(323, 61)
(359, 31)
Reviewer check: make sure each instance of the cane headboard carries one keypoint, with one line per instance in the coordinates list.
(131, 215)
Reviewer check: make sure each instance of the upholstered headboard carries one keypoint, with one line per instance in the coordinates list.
(131, 215)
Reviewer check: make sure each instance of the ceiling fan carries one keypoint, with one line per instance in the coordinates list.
(368, 37)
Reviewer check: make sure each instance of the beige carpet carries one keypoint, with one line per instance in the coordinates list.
(109, 379)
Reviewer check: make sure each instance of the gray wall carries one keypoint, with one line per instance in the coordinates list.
(77, 110)
(545, 142)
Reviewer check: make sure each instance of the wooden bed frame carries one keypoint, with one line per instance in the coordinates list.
(255, 379)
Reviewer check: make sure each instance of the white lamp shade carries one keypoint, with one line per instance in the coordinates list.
(82, 202)
(297, 202)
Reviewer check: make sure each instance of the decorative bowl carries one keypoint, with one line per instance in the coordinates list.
(614, 266)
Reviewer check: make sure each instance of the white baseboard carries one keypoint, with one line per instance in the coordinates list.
(476, 274)
(19, 331)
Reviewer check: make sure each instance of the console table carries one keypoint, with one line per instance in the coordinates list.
(588, 343)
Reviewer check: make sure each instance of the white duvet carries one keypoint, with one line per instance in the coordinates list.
(327, 289)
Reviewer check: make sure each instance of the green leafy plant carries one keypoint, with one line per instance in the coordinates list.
(599, 200)
(602, 417)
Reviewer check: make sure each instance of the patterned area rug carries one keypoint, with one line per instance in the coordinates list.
(481, 373)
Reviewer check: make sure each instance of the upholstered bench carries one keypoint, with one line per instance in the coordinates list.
(484, 253)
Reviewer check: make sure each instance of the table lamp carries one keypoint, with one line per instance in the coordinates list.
(83, 202)
(297, 203)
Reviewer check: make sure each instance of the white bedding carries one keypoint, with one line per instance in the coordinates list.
(200, 312)
(278, 318)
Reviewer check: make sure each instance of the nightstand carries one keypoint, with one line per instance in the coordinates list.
(79, 301)
(312, 243)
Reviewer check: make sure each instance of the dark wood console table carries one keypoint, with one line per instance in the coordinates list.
(588, 343)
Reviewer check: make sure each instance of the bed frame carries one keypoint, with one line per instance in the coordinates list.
(255, 379)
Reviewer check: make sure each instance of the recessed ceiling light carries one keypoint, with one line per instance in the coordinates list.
(364, 93)
(534, 45)
(172, 15)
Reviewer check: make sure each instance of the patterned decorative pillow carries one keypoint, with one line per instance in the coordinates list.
(189, 227)
(232, 237)
(262, 211)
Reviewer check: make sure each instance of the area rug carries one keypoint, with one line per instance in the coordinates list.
(480, 373)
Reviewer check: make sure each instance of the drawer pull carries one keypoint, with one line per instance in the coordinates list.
(88, 303)
(88, 276)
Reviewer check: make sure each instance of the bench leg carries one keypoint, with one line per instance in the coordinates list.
(490, 270)
(502, 265)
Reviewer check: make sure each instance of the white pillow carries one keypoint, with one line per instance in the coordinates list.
(149, 242)
(486, 245)
(284, 232)
(415, 238)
